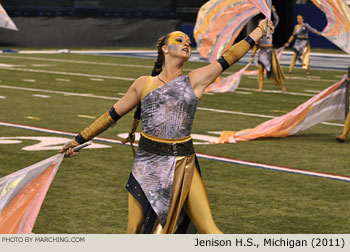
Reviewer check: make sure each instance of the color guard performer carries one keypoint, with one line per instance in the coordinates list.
(267, 59)
(301, 45)
(166, 191)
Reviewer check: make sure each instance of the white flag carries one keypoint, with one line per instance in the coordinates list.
(5, 21)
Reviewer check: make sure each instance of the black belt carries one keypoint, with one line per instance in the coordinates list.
(166, 149)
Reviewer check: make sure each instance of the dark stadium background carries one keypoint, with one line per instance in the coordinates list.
(115, 23)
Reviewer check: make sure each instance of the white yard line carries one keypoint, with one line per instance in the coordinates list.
(309, 79)
(313, 77)
(114, 98)
(96, 79)
(274, 167)
(242, 92)
(200, 155)
(67, 73)
(312, 91)
(275, 91)
(28, 80)
(76, 61)
(59, 92)
(87, 116)
(41, 96)
(132, 79)
(91, 63)
(65, 80)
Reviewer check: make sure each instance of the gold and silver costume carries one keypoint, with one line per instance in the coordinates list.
(267, 58)
(301, 45)
(165, 161)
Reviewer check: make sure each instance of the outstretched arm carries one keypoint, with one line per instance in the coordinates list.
(275, 16)
(120, 108)
(311, 29)
(202, 77)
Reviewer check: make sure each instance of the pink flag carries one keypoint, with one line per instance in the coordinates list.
(264, 6)
(22, 194)
(218, 24)
(338, 22)
(326, 106)
(228, 84)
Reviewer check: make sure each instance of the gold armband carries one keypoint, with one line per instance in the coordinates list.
(97, 127)
(235, 52)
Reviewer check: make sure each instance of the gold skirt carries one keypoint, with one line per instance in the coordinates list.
(184, 171)
(277, 73)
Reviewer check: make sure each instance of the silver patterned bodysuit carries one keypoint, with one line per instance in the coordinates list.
(167, 112)
(301, 38)
(266, 46)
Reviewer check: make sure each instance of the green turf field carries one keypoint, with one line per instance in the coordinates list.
(67, 91)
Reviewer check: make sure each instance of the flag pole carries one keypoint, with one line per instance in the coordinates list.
(268, 32)
(79, 147)
(347, 93)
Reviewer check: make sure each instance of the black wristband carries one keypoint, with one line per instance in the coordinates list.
(80, 139)
(114, 114)
(250, 41)
(223, 63)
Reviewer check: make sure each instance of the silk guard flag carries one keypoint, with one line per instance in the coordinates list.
(328, 105)
(22, 194)
(218, 24)
(338, 22)
(264, 6)
(5, 20)
(231, 83)
(228, 84)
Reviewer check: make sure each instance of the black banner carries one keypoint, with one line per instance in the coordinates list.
(86, 32)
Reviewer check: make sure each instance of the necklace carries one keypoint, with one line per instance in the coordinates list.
(160, 79)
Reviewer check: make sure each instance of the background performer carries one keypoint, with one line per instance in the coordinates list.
(267, 59)
(301, 45)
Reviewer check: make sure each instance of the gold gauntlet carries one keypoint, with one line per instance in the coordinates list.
(237, 51)
(97, 127)
(101, 124)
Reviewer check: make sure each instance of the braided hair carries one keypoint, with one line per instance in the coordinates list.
(159, 61)
(158, 66)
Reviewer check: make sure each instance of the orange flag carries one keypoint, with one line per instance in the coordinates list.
(22, 194)
(328, 105)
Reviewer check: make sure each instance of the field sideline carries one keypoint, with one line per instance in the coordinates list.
(66, 92)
